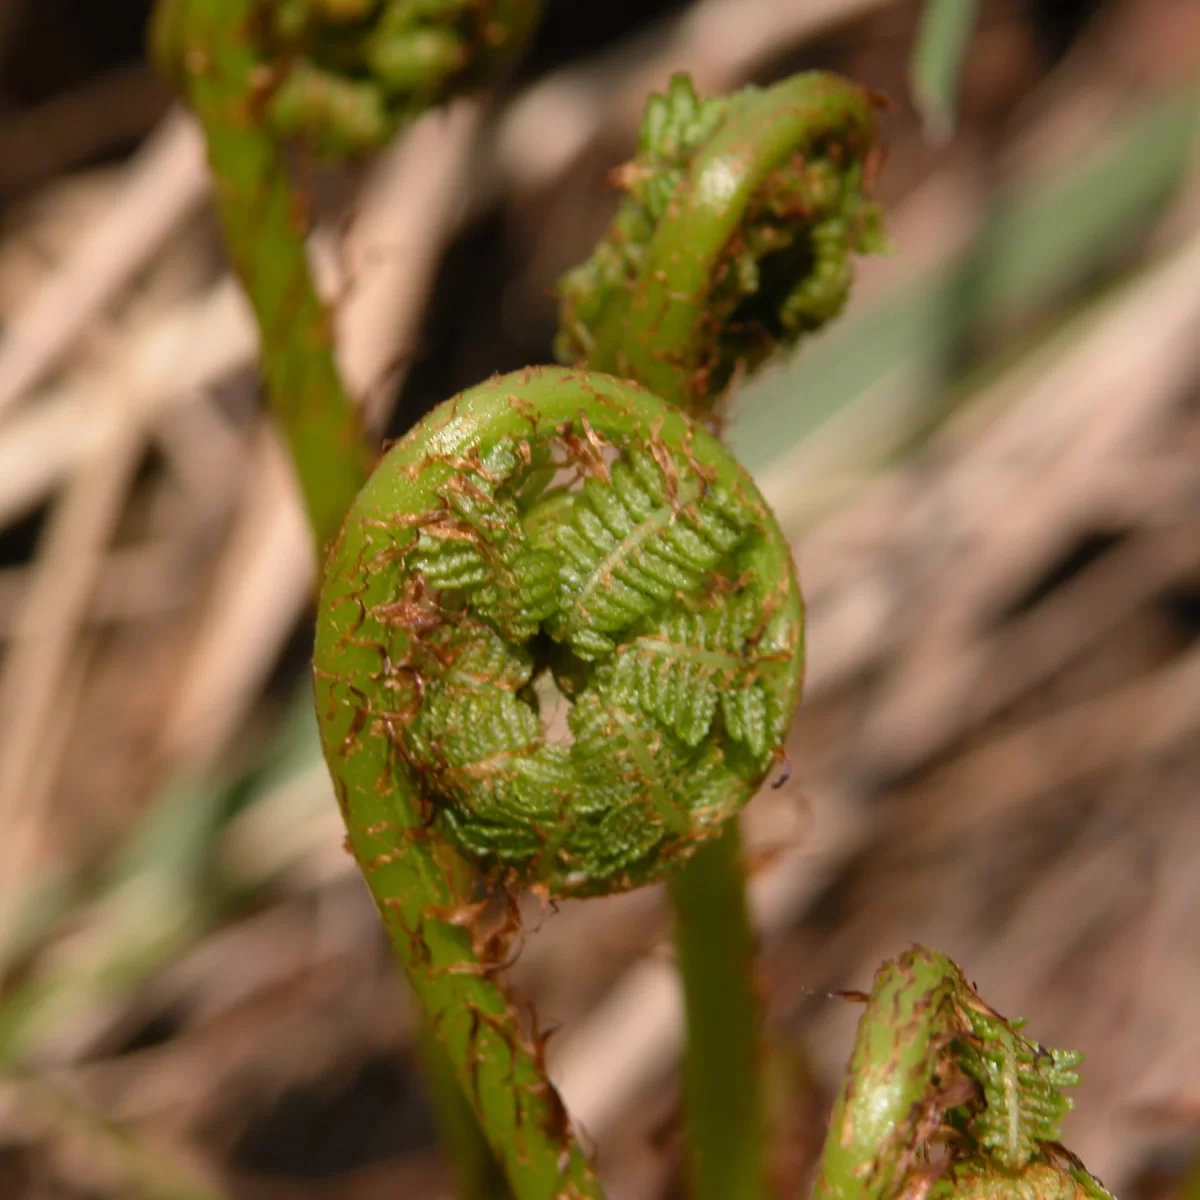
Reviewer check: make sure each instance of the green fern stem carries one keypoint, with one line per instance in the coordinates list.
(474, 1169)
(338, 76)
(208, 48)
(549, 540)
(735, 236)
(947, 1099)
(722, 1069)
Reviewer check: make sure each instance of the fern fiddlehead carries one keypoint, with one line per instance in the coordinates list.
(945, 1098)
(347, 72)
(551, 532)
(735, 235)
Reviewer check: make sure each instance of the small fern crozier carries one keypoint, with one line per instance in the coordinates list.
(735, 236)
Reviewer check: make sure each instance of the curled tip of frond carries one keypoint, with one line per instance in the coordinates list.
(735, 236)
(935, 1066)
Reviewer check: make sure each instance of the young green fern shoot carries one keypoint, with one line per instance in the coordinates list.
(944, 1098)
(736, 235)
(346, 73)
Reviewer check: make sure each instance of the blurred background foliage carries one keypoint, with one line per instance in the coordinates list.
(991, 467)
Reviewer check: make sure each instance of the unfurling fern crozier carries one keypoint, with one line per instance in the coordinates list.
(735, 236)
(557, 542)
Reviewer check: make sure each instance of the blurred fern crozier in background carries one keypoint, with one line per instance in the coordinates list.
(988, 469)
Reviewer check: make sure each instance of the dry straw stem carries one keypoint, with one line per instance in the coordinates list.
(70, 557)
(260, 586)
(121, 398)
(165, 184)
(720, 43)
(199, 344)
(97, 117)
(140, 581)
(1125, 372)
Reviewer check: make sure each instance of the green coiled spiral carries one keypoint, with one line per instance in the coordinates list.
(342, 75)
(346, 72)
(735, 236)
(555, 539)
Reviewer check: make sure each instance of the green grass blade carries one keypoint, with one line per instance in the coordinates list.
(942, 36)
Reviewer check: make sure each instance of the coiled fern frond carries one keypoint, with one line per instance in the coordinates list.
(735, 236)
(350, 70)
(341, 75)
(560, 538)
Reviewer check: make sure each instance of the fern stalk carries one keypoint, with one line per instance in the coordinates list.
(722, 1068)
(208, 48)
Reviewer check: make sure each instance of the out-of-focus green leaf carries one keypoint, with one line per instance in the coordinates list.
(161, 892)
(942, 36)
(38, 911)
